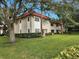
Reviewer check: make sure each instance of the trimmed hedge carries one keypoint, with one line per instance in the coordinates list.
(28, 35)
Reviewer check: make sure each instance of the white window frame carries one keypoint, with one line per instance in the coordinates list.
(37, 19)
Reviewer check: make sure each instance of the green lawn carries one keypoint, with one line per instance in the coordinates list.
(36, 48)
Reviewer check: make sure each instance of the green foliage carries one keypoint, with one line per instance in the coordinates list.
(64, 8)
(69, 53)
(11, 10)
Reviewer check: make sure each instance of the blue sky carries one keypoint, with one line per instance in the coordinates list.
(49, 13)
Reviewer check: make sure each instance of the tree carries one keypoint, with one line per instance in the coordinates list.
(9, 11)
(67, 9)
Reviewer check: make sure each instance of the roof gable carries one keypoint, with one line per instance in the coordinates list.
(31, 12)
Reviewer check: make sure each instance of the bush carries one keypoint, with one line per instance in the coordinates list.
(69, 53)
(28, 35)
(48, 33)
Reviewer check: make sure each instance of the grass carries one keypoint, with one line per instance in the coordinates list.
(36, 48)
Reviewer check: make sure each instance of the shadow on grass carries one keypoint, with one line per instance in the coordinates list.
(6, 44)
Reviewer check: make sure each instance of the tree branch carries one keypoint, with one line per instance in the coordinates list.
(73, 21)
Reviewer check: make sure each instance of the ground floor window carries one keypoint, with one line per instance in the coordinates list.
(20, 31)
(37, 30)
(28, 30)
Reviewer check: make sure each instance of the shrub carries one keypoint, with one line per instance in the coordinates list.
(28, 35)
(69, 53)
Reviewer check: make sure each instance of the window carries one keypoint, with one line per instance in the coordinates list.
(45, 22)
(20, 21)
(28, 19)
(36, 18)
(28, 30)
(20, 31)
(37, 30)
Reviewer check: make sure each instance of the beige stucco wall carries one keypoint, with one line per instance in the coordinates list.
(31, 24)
(23, 25)
(27, 25)
(37, 24)
(16, 27)
(46, 25)
(59, 28)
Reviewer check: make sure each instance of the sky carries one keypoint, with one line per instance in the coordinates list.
(49, 13)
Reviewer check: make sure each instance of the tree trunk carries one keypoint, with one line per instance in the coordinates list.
(11, 33)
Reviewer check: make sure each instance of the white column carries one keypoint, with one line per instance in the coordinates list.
(55, 28)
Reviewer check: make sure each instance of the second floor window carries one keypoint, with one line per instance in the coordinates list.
(36, 18)
(28, 19)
